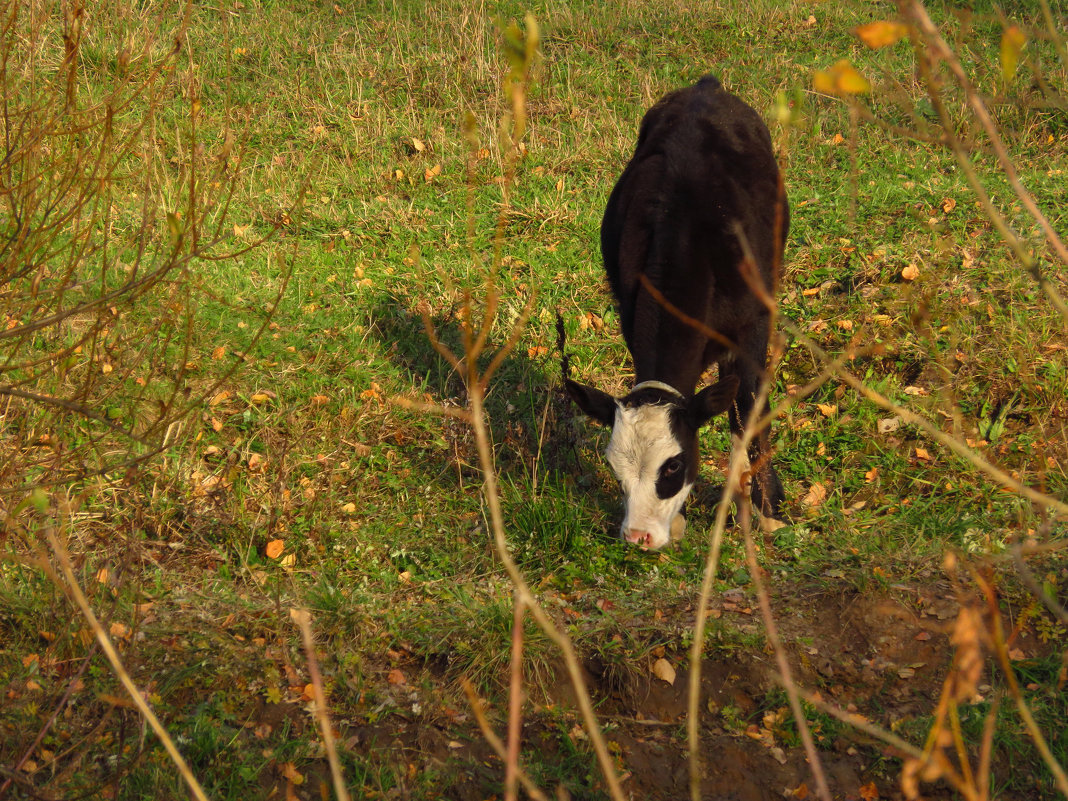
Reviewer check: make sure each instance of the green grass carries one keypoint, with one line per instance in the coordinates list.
(339, 112)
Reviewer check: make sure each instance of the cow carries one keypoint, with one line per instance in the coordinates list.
(692, 239)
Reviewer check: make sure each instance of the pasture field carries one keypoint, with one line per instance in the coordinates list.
(299, 481)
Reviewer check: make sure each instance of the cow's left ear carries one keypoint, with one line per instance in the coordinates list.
(713, 400)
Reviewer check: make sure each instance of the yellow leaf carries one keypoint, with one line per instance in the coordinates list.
(218, 353)
(260, 397)
(418, 145)
(1012, 44)
(319, 400)
(882, 33)
(663, 670)
(275, 548)
(219, 398)
(840, 79)
(921, 453)
(827, 409)
(290, 772)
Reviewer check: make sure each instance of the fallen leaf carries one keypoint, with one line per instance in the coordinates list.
(349, 508)
(840, 79)
(816, 495)
(120, 630)
(910, 272)
(882, 33)
(888, 425)
(319, 400)
(921, 453)
(871, 475)
(256, 462)
(948, 204)
(418, 145)
(260, 397)
(827, 409)
(869, 792)
(1012, 44)
(218, 353)
(663, 670)
(275, 548)
(396, 676)
(219, 397)
(290, 773)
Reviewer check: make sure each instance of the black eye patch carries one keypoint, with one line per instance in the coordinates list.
(670, 477)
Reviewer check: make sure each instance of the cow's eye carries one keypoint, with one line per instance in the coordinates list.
(672, 466)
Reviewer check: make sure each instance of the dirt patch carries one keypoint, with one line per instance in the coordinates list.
(882, 656)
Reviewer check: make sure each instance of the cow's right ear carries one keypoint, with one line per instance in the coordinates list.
(599, 405)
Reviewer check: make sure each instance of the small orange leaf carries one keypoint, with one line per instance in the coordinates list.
(910, 272)
(396, 676)
(1012, 44)
(218, 353)
(275, 548)
(869, 792)
(922, 453)
(319, 400)
(827, 409)
(882, 33)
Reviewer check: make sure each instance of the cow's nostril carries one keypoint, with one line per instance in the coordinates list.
(639, 537)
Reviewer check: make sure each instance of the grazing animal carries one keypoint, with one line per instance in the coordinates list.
(699, 203)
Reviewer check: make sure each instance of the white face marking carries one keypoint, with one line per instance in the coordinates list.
(641, 442)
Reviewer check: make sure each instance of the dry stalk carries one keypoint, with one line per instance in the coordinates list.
(915, 11)
(495, 742)
(69, 583)
(786, 676)
(1002, 652)
(515, 703)
(322, 715)
(475, 337)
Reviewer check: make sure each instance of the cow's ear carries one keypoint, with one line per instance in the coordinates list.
(597, 404)
(713, 400)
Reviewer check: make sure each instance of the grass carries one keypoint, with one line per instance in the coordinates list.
(352, 111)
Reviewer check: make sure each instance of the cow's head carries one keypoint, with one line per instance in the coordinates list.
(653, 450)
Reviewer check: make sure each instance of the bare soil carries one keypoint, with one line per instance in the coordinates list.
(883, 656)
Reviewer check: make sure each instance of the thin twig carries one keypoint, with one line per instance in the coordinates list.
(786, 677)
(75, 591)
(495, 742)
(322, 715)
(515, 703)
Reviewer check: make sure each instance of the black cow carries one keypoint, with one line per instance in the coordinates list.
(692, 236)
